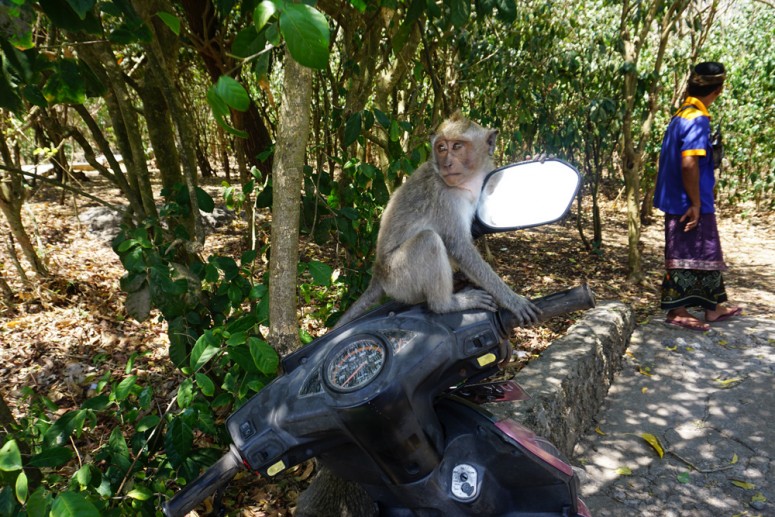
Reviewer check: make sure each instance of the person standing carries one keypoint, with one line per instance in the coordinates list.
(684, 192)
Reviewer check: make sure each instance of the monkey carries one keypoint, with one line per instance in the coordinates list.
(425, 231)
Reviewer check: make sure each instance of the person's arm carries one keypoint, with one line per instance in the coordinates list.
(690, 175)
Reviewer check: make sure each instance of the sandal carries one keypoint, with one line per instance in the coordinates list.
(731, 314)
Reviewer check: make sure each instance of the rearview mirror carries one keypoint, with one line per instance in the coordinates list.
(526, 194)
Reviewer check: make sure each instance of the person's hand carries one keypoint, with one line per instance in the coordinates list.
(692, 217)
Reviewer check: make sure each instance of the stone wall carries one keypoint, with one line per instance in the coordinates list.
(570, 380)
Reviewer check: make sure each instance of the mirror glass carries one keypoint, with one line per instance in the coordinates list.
(527, 194)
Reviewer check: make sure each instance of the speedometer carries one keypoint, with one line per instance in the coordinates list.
(355, 364)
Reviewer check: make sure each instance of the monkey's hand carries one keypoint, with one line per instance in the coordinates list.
(524, 310)
(474, 298)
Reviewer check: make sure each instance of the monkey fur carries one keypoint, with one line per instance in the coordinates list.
(426, 228)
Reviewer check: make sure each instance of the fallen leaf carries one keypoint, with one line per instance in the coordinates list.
(654, 442)
(644, 389)
(745, 485)
(759, 498)
(734, 459)
(683, 477)
(598, 431)
(722, 342)
(672, 348)
(645, 371)
(624, 471)
(728, 382)
(689, 349)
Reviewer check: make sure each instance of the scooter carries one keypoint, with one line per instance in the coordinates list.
(391, 400)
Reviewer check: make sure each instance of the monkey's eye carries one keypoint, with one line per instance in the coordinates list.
(457, 146)
(441, 148)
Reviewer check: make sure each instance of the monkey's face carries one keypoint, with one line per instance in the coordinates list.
(456, 160)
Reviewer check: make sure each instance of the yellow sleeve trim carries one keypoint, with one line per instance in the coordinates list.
(693, 152)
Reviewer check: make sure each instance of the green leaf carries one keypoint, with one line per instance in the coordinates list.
(248, 257)
(263, 12)
(306, 33)
(459, 12)
(257, 292)
(147, 422)
(352, 129)
(119, 451)
(73, 504)
(178, 441)
(66, 84)
(242, 324)
(248, 42)
(58, 434)
(83, 476)
(217, 104)
(237, 339)
(205, 384)
(9, 99)
(10, 457)
(97, 403)
(321, 273)
(221, 112)
(205, 201)
(171, 21)
(507, 11)
(81, 7)
(185, 393)
(359, 4)
(54, 457)
(203, 351)
(413, 14)
(124, 388)
(264, 356)
(383, 119)
(63, 16)
(39, 502)
(22, 489)
(232, 93)
(140, 493)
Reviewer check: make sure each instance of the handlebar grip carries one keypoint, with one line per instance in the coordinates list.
(220, 473)
(576, 299)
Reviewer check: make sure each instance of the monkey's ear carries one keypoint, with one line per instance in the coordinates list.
(492, 135)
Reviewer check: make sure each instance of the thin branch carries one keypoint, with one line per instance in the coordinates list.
(80, 192)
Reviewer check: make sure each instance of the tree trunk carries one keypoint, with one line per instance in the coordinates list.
(287, 174)
(631, 171)
(126, 126)
(11, 202)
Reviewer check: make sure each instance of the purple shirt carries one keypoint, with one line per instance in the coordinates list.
(688, 134)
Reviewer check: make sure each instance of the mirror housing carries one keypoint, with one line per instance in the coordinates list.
(525, 194)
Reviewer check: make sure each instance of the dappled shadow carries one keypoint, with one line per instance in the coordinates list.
(707, 398)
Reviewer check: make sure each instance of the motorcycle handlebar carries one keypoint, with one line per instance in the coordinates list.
(576, 299)
(220, 473)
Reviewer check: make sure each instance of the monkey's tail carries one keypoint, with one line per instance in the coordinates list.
(370, 296)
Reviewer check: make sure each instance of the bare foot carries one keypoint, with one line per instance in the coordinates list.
(683, 318)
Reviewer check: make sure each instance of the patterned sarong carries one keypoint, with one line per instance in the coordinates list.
(694, 262)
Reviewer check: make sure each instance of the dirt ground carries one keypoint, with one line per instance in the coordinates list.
(61, 333)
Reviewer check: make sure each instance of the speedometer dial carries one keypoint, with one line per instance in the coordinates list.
(355, 364)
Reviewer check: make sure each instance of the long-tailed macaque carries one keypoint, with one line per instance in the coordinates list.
(426, 228)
